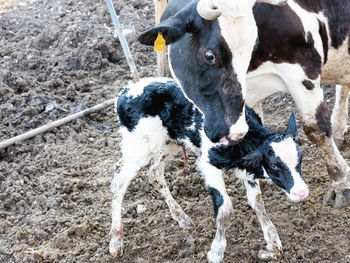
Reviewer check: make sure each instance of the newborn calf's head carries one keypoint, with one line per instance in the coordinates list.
(280, 158)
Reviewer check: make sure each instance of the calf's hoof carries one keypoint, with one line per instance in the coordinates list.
(214, 257)
(183, 219)
(337, 197)
(180, 216)
(268, 255)
(116, 247)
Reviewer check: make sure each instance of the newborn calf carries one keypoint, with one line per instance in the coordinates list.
(156, 120)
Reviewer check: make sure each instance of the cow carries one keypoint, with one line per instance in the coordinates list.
(156, 119)
(290, 48)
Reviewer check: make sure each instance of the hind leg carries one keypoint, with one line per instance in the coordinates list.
(138, 149)
(340, 113)
(120, 183)
(156, 178)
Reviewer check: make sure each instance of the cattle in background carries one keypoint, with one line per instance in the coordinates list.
(295, 44)
(156, 120)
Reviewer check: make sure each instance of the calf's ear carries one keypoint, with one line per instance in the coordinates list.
(252, 161)
(292, 128)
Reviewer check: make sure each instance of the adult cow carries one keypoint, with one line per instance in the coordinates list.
(211, 76)
(209, 55)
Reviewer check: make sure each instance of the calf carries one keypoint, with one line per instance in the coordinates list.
(156, 119)
(295, 45)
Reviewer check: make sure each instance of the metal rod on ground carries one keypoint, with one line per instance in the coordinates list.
(85, 112)
(55, 124)
(122, 40)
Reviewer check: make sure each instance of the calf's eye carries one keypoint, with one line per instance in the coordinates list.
(210, 57)
(271, 153)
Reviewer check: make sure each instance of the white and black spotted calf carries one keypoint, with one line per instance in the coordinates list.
(156, 120)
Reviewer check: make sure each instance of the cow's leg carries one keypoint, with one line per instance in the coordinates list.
(316, 122)
(156, 177)
(274, 245)
(259, 110)
(120, 183)
(222, 207)
(340, 113)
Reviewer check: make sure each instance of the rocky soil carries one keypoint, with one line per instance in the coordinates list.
(59, 57)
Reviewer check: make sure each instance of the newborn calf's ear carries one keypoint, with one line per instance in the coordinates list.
(252, 161)
(292, 128)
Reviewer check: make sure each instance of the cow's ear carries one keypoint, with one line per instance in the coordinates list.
(173, 27)
(172, 30)
(292, 128)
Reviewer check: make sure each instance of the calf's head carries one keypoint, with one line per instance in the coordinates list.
(280, 159)
(211, 45)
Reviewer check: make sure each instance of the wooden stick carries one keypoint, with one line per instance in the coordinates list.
(162, 56)
(55, 124)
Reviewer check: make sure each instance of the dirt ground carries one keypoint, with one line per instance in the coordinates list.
(59, 57)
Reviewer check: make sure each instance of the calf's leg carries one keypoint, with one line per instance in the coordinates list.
(120, 183)
(156, 178)
(222, 207)
(138, 150)
(274, 245)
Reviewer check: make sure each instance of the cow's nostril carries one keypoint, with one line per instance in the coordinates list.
(224, 140)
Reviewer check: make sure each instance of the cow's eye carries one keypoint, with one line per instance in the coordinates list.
(210, 57)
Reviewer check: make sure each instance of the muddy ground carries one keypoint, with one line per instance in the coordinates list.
(59, 57)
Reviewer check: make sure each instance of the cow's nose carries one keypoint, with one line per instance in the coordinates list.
(215, 135)
(239, 129)
(238, 136)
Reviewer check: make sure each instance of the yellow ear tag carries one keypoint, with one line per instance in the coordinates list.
(159, 43)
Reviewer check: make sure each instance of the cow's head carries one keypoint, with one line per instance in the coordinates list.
(280, 158)
(211, 45)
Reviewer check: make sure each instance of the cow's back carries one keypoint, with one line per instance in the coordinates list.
(313, 34)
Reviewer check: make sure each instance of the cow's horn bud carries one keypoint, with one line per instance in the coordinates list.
(274, 2)
(207, 10)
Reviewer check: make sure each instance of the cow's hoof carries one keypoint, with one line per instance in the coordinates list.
(268, 255)
(338, 198)
(116, 247)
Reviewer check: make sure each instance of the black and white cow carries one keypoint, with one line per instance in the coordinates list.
(156, 120)
(268, 49)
